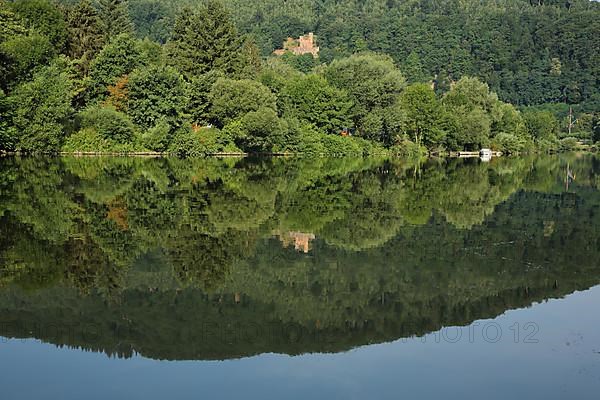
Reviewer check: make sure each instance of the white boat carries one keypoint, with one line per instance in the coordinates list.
(485, 155)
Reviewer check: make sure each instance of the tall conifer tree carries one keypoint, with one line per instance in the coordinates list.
(114, 15)
(85, 33)
(204, 40)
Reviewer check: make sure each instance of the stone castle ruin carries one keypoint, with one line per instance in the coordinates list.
(303, 45)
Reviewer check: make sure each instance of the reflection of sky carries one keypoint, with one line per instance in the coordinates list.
(565, 363)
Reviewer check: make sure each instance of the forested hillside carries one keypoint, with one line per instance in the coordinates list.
(197, 77)
(529, 52)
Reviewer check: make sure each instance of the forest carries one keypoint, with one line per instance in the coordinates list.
(122, 255)
(198, 77)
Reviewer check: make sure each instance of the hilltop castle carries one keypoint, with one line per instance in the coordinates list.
(303, 45)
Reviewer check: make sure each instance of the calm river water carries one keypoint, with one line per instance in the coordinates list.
(299, 278)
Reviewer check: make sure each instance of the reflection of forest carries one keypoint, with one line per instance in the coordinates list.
(177, 259)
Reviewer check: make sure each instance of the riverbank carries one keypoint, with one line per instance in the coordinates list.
(449, 154)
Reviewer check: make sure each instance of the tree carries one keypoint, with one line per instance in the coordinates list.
(475, 129)
(372, 80)
(259, 131)
(21, 55)
(118, 58)
(204, 40)
(231, 99)
(422, 114)
(85, 34)
(115, 17)
(10, 24)
(470, 93)
(413, 69)
(41, 108)
(310, 98)
(109, 123)
(7, 141)
(154, 93)
(541, 125)
(199, 103)
(373, 83)
(153, 19)
(248, 63)
(44, 18)
(303, 63)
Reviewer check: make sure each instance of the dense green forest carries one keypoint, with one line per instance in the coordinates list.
(196, 77)
(195, 259)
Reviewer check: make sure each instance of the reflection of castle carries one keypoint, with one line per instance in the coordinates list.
(303, 45)
(301, 240)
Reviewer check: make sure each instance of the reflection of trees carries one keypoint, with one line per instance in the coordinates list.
(112, 211)
(205, 261)
(397, 251)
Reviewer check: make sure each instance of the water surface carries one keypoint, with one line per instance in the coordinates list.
(271, 278)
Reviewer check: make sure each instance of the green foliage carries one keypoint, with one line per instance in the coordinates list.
(6, 139)
(10, 23)
(21, 55)
(258, 131)
(41, 107)
(118, 58)
(153, 19)
(247, 64)
(421, 115)
(92, 141)
(115, 17)
(510, 143)
(372, 80)
(223, 78)
(110, 124)
(45, 18)
(231, 99)
(158, 137)
(204, 40)
(199, 103)
(568, 144)
(406, 148)
(541, 125)
(204, 142)
(303, 63)
(373, 83)
(155, 93)
(476, 115)
(311, 99)
(413, 69)
(85, 34)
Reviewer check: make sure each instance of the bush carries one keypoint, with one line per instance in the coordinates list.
(301, 139)
(509, 143)
(568, 144)
(7, 139)
(158, 137)
(109, 123)
(547, 145)
(405, 147)
(258, 131)
(206, 141)
(340, 145)
(90, 140)
(231, 99)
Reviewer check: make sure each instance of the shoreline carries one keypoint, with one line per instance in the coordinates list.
(151, 154)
